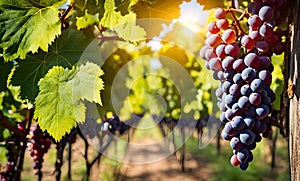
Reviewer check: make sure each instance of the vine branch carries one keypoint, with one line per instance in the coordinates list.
(236, 21)
(10, 127)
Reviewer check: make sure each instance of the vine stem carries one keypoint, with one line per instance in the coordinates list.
(64, 15)
(237, 21)
(108, 38)
(24, 146)
(10, 127)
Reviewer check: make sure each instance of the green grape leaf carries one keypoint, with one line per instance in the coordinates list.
(59, 104)
(86, 21)
(125, 26)
(5, 69)
(65, 51)
(28, 26)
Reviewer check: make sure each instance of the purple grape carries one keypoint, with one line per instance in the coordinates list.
(244, 166)
(250, 157)
(229, 74)
(226, 85)
(228, 36)
(229, 114)
(247, 136)
(266, 13)
(223, 119)
(212, 27)
(238, 123)
(232, 50)
(273, 40)
(249, 121)
(257, 85)
(255, 35)
(239, 65)
(235, 143)
(236, 110)
(227, 63)
(242, 155)
(229, 100)
(250, 111)
(213, 40)
(229, 130)
(203, 51)
(220, 13)
(255, 98)
(252, 60)
(222, 24)
(262, 111)
(252, 146)
(254, 22)
(262, 46)
(210, 53)
(258, 138)
(226, 136)
(264, 62)
(248, 74)
(215, 64)
(262, 128)
(247, 42)
(265, 76)
(266, 101)
(237, 79)
(244, 102)
(220, 51)
(266, 30)
(246, 90)
(234, 90)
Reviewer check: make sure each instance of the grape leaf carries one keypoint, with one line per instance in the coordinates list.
(28, 26)
(59, 104)
(65, 51)
(86, 21)
(125, 26)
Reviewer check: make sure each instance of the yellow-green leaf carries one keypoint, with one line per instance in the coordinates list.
(59, 104)
(86, 21)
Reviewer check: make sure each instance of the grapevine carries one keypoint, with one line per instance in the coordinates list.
(240, 59)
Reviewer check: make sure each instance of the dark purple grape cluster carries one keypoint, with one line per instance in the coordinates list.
(241, 60)
(115, 125)
(9, 170)
(39, 144)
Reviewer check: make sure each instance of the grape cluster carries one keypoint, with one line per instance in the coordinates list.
(241, 60)
(115, 125)
(39, 144)
(9, 169)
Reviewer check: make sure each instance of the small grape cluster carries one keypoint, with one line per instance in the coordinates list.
(115, 125)
(39, 144)
(241, 61)
(8, 169)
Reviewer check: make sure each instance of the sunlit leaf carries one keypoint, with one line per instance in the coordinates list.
(125, 26)
(59, 104)
(86, 21)
(27, 26)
